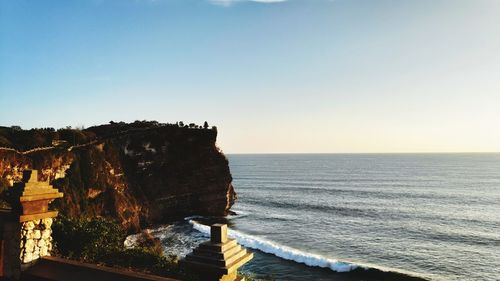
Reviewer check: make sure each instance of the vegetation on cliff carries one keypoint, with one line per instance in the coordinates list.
(22, 140)
(139, 174)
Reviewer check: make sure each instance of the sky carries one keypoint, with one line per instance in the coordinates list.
(291, 76)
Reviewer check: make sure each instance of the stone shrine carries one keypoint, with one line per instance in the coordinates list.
(219, 258)
(25, 230)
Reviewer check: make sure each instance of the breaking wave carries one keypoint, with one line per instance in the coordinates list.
(281, 251)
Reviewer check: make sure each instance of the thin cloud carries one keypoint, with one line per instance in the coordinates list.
(227, 3)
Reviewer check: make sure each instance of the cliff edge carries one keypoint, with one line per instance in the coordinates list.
(140, 173)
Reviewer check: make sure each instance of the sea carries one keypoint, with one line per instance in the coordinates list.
(360, 216)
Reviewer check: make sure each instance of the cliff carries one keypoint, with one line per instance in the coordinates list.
(140, 173)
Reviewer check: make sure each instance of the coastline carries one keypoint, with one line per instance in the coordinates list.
(190, 232)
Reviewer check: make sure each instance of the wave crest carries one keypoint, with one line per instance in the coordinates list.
(281, 251)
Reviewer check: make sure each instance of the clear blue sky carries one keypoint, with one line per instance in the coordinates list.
(287, 76)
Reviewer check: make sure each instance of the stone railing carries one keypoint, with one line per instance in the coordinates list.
(9, 149)
(28, 151)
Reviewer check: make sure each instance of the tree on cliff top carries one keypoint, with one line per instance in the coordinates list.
(205, 125)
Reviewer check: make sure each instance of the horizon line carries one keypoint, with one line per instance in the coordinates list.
(319, 153)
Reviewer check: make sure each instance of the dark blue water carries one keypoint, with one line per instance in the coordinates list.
(431, 215)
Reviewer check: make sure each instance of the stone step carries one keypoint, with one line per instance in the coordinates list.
(228, 253)
(222, 247)
(236, 256)
(199, 266)
(215, 261)
(240, 262)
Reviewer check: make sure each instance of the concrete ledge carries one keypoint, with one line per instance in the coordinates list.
(211, 268)
(216, 261)
(32, 196)
(227, 254)
(32, 217)
(221, 247)
(59, 269)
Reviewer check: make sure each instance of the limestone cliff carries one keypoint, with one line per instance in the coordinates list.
(140, 173)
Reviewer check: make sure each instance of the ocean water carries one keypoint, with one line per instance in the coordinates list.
(328, 216)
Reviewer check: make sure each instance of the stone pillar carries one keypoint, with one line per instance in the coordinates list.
(1, 257)
(26, 228)
(11, 250)
(219, 258)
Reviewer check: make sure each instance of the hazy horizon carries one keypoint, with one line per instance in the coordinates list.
(343, 76)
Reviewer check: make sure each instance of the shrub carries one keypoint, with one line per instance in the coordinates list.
(87, 239)
(98, 240)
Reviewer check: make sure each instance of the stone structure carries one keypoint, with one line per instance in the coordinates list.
(25, 230)
(219, 258)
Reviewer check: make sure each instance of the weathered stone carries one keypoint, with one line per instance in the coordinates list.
(41, 243)
(37, 234)
(28, 225)
(30, 244)
(29, 234)
(44, 251)
(28, 257)
(46, 234)
(36, 252)
(47, 223)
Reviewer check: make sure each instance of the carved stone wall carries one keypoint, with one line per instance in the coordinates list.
(36, 239)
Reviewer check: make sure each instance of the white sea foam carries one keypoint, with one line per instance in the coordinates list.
(193, 217)
(131, 240)
(281, 251)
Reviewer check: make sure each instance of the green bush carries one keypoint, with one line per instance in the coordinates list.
(98, 240)
(87, 239)
(143, 259)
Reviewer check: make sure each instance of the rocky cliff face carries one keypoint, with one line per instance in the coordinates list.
(140, 173)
